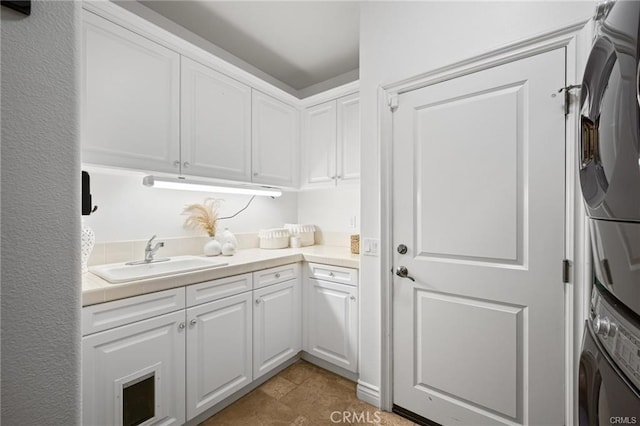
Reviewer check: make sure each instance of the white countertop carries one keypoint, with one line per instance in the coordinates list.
(96, 290)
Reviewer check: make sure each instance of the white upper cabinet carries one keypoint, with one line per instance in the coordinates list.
(216, 124)
(320, 144)
(348, 117)
(131, 99)
(276, 137)
(331, 135)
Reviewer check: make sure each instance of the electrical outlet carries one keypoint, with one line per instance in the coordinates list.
(370, 246)
(353, 222)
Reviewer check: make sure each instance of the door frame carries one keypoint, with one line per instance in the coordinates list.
(575, 38)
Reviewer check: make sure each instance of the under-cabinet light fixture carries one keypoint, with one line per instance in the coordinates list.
(185, 184)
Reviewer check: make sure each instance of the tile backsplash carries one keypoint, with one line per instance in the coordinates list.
(127, 251)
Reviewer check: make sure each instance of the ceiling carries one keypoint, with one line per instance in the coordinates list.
(299, 43)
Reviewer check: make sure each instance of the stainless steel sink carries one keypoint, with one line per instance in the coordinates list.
(121, 272)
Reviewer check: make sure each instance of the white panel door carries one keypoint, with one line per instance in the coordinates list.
(276, 137)
(215, 124)
(319, 131)
(116, 359)
(478, 190)
(218, 351)
(276, 325)
(332, 323)
(131, 99)
(348, 126)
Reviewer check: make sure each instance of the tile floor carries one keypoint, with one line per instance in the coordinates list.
(304, 395)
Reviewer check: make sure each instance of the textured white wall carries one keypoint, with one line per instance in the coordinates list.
(40, 216)
(127, 210)
(399, 40)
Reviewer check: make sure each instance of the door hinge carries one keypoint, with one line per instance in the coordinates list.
(566, 265)
(567, 95)
(392, 101)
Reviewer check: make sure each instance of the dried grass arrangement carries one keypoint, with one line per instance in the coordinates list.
(203, 216)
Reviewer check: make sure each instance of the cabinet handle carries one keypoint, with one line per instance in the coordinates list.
(181, 326)
(193, 322)
(352, 298)
(258, 301)
(176, 163)
(277, 275)
(186, 164)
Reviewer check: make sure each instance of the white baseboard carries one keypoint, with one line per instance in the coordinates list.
(368, 393)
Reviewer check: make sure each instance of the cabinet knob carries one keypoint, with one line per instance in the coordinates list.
(331, 274)
(352, 298)
(258, 301)
(339, 177)
(186, 164)
(255, 173)
(193, 322)
(277, 275)
(176, 163)
(181, 326)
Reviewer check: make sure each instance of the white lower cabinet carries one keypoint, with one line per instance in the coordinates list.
(276, 325)
(218, 351)
(164, 358)
(331, 310)
(134, 374)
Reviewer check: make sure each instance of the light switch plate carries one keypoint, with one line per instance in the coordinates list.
(370, 246)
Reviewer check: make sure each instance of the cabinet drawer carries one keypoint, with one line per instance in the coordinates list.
(217, 289)
(275, 275)
(334, 274)
(120, 312)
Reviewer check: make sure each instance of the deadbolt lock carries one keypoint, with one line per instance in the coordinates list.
(402, 249)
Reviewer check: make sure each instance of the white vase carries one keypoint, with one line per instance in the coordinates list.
(212, 248)
(227, 236)
(87, 241)
(228, 249)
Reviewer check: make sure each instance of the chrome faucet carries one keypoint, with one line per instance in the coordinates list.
(149, 251)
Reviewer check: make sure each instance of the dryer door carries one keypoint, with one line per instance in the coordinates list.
(609, 169)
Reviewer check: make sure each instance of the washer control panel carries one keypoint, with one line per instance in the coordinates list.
(620, 338)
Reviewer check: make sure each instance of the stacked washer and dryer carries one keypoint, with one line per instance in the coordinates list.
(609, 375)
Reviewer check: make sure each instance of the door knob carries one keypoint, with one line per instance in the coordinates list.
(404, 273)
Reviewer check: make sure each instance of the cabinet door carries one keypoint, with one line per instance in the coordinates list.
(215, 124)
(332, 323)
(134, 374)
(276, 135)
(131, 99)
(349, 138)
(218, 351)
(320, 145)
(276, 325)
